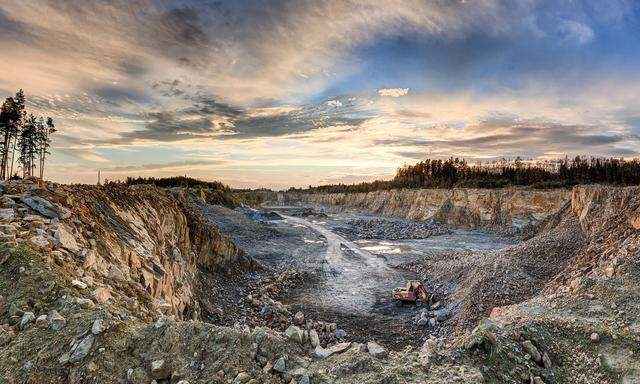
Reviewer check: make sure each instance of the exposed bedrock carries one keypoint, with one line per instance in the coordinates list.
(510, 209)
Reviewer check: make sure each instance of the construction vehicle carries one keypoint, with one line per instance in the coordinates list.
(413, 292)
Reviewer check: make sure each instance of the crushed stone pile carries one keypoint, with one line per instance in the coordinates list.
(392, 229)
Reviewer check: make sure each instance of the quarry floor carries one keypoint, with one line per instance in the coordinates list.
(347, 281)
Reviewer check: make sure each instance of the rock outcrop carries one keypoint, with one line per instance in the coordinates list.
(141, 239)
(510, 209)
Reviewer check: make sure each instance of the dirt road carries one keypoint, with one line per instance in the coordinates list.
(353, 278)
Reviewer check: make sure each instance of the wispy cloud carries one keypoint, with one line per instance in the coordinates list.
(393, 92)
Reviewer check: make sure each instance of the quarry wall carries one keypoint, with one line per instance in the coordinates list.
(514, 209)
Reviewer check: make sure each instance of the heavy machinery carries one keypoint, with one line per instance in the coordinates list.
(413, 292)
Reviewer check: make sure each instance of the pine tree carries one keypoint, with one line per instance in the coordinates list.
(28, 145)
(44, 141)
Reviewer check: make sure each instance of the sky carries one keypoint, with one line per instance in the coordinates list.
(295, 93)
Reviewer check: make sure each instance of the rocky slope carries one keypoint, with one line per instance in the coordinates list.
(104, 284)
(509, 209)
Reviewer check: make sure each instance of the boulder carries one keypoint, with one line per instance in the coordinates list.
(546, 360)
(82, 349)
(280, 365)
(376, 350)
(27, 317)
(531, 350)
(298, 318)
(314, 339)
(341, 334)
(160, 369)
(57, 321)
(7, 214)
(66, 240)
(326, 352)
(428, 351)
(41, 319)
(101, 295)
(98, 327)
(45, 208)
(294, 333)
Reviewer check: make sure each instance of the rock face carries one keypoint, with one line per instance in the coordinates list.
(514, 209)
(134, 238)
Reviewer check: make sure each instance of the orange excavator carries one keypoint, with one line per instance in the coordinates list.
(413, 292)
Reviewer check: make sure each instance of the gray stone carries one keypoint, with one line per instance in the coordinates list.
(294, 333)
(57, 321)
(45, 208)
(27, 318)
(531, 350)
(376, 350)
(314, 338)
(546, 360)
(41, 319)
(66, 240)
(98, 327)
(340, 334)
(336, 348)
(160, 369)
(298, 318)
(82, 349)
(280, 365)
(422, 322)
(7, 214)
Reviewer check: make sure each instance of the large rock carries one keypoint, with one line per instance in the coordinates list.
(27, 317)
(82, 349)
(280, 365)
(57, 321)
(45, 208)
(298, 318)
(314, 338)
(294, 333)
(326, 352)
(98, 327)
(7, 214)
(531, 350)
(160, 369)
(376, 350)
(101, 295)
(66, 240)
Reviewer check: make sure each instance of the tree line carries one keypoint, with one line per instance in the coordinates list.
(176, 181)
(25, 135)
(455, 172)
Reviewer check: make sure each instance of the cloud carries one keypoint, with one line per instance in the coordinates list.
(393, 92)
(163, 166)
(576, 32)
(510, 136)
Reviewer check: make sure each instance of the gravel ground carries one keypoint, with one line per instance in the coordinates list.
(474, 282)
(372, 228)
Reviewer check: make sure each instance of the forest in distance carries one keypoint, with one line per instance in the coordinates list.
(455, 172)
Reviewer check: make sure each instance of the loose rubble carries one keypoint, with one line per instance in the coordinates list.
(386, 229)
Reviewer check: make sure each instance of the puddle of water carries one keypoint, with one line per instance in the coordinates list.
(382, 249)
